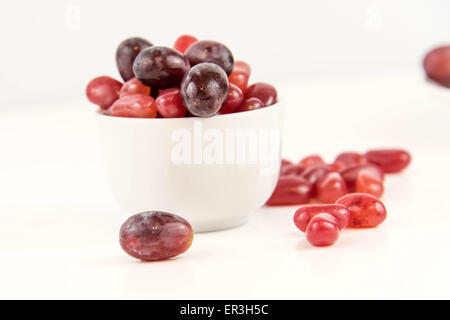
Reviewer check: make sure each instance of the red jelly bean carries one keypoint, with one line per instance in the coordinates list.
(234, 100)
(263, 91)
(239, 79)
(389, 160)
(134, 86)
(292, 169)
(169, 104)
(134, 106)
(285, 162)
(304, 214)
(290, 190)
(103, 91)
(322, 230)
(368, 183)
(350, 159)
(155, 235)
(184, 42)
(351, 174)
(250, 104)
(366, 211)
(242, 67)
(311, 161)
(330, 188)
(315, 173)
(437, 65)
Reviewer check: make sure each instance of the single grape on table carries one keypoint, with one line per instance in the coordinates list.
(155, 235)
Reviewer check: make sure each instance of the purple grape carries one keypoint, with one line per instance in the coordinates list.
(160, 67)
(210, 51)
(204, 89)
(126, 53)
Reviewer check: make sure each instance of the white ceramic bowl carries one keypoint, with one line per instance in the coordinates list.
(190, 166)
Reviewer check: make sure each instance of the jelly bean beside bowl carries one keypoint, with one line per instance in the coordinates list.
(366, 211)
(322, 230)
(161, 163)
(291, 190)
(304, 214)
(389, 160)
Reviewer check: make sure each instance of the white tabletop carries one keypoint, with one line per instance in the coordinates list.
(59, 224)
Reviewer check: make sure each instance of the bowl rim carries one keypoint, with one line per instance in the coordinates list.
(216, 116)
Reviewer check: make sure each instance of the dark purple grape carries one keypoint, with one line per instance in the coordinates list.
(126, 53)
(210, 51)
(160, 67)
(204, 89)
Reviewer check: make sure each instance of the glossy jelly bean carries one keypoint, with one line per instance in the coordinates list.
(311, 161)
(250, 104)
(304, 214)
(368, 183)
(263, 91)
(234, 100)
(184, 42)
(351, 174)
(389, 160)
(437, 65)
(322, 230)
(155, 235)
(239, 79)
(126, 53)
(291, 190)
(212, 52)
(204, 89)
(242, 67)
(366, 210)
(134, 86)
(134, 106)
(285, 162)
(292, 169)
(169, 104)
(315, 173)
(350, 159)
(330, 188)
(103, 91)
(160, 67)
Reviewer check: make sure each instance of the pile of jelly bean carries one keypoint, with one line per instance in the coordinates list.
(194, 78)
(339, 194)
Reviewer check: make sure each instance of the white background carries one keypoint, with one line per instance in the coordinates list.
(350, 75)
